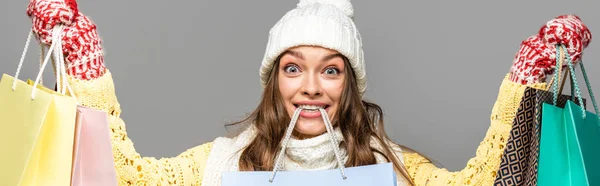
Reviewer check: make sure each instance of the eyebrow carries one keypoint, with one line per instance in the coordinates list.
(299, 55)
(294, 53)
(331, 56)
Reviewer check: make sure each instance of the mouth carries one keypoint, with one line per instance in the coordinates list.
(311, 107)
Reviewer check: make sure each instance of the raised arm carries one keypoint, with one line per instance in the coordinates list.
(93, 85)
(533, 62)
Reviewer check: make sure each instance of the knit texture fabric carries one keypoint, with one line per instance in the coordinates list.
(189, 167)
(325, 23)
(81, 44)
(95, 89)
(536, 58)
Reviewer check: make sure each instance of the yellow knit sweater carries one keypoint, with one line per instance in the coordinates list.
(188, 167)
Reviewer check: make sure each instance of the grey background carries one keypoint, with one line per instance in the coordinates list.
(183, 69)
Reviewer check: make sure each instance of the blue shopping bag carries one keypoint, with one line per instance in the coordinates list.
(378, 174)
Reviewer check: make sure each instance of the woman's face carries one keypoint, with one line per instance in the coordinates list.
(311, 78)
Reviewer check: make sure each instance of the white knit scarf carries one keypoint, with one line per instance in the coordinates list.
(308, 154)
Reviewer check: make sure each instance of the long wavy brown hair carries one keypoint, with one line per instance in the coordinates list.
(360, 122)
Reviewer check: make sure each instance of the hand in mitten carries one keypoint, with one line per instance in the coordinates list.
(81, 44)
(537, 56)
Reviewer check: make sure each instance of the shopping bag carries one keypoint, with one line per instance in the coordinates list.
(93, 162)
(519, 161)
(569, 141)
(37, 132)
(587, 142)
(553, 168)
(378, 174)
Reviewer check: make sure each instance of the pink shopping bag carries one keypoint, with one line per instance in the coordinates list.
(93, 162)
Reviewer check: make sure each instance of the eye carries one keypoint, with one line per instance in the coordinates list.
(291, 69)
(332, 71)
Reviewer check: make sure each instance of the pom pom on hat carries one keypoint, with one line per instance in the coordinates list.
(344, 5)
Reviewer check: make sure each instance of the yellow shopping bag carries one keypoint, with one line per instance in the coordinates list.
(36, 135)
(37, 129)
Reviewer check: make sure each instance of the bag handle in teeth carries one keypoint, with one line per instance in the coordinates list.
(288, 135)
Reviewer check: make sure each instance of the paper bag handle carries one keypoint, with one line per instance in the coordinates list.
(288, 134)
(560, 56)
(575, 85)
(62, 83)
(55, 34)
(54, 49)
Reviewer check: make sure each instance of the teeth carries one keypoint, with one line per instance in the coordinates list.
(310, 107)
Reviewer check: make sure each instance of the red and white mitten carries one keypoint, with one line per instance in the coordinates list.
(537, 56)
(81, 44)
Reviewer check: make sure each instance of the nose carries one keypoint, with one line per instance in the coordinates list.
(311, 86)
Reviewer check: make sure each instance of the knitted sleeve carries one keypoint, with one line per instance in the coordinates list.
(481, 169)
(132, 169)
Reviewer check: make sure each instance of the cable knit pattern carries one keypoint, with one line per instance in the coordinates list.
(333, 20)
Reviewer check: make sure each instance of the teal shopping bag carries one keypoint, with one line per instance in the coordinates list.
(570, 140)
(553, 168)
(585, 144)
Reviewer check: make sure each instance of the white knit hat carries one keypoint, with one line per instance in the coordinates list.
(324, 23)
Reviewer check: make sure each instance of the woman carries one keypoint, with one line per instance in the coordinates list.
(307, 70)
